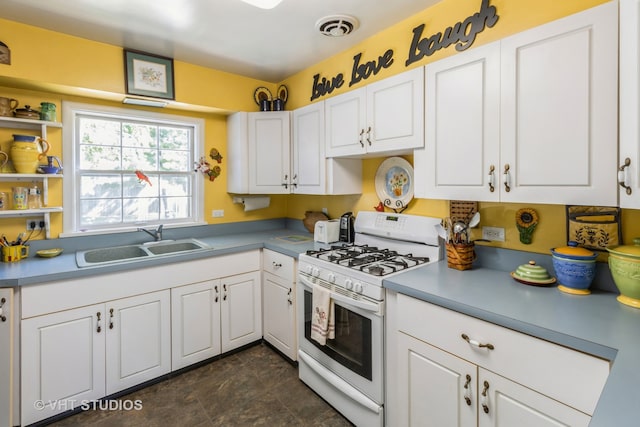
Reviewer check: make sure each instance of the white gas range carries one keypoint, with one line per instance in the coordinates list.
(348, 370)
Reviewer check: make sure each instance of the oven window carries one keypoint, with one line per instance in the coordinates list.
(351, 346)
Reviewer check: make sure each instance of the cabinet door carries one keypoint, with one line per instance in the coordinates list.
(195, 323)
(395, 113)
(138, 339)
(62, 361)
(308, 160)
(6, 356)
(345, 117)
(269, 158)
(506, 403)
(241, 310)
(431, 386)
(559, 110)
(630, 102)
(462, 128)
(279, 324)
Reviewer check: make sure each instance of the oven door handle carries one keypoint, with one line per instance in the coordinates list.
(368, 306)
(339, 383)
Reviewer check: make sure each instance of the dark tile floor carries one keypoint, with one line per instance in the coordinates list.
(255, 387)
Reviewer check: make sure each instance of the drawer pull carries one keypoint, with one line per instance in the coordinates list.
(476, 343)
(2, 316)
(485, 398)
(276, 264)
(98, 325)
(467, 390)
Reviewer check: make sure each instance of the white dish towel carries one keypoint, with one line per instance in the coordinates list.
(322, 318)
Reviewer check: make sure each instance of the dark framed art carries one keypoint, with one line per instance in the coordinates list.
(148, 75)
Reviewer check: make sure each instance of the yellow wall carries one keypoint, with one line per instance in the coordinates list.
(66, 68)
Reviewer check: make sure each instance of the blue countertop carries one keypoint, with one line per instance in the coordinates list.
(38, 270)
(596, 324)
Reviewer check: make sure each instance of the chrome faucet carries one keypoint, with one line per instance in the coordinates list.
(156, 234)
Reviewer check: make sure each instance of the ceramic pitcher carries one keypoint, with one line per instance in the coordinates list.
(26, 152)
(7, 105)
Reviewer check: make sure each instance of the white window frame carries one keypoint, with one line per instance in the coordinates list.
(71, 183)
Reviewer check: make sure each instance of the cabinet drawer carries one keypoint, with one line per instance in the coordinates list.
(566, 375)
(279, 264)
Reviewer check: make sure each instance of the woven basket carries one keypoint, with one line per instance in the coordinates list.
(460, 256)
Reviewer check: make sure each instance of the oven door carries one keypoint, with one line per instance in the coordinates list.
(356, 353)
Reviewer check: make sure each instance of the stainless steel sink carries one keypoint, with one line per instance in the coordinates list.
(121, 254)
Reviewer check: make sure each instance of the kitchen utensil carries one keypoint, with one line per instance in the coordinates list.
(575, 268)
(441, 231)
(624, 264)
(7, 105)
(347, 231)
(475, 220)
(26, 151)
(27, 113)
(532, 274)
(460, 232)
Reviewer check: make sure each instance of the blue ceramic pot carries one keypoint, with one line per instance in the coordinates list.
(574, 273)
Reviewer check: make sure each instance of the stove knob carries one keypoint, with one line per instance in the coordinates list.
(309, 269)
(348, 284)
(332, 278)
(315, 272)
(358, 288)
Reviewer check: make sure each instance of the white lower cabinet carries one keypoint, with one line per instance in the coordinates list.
(279, 303)
(240, 310)
(213, 317)
(445, 390)
(195, 323)
(86, 353)
(494, 376)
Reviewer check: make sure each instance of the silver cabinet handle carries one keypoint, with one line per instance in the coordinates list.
(622, 176)
(485, 398)
(507, 178)
(492, 178)
(477, 343)
(467, 390)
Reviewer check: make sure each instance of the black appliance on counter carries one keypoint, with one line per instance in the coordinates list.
(347, 231)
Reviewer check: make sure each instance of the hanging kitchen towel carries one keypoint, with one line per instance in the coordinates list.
(322, 324)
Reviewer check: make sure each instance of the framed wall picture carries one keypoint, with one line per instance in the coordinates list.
(148, 75)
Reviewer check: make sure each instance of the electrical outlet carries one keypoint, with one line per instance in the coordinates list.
(35, 223)
(217, 213)
(495, 234)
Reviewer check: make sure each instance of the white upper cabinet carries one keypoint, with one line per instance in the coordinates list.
(629, 104)
(312, 172)
(463, 127)
(259, 153)
(555, 122)
(382, 118)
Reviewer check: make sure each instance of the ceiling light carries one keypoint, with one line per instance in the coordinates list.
(263, 4)
(145, 102)
(337, 25)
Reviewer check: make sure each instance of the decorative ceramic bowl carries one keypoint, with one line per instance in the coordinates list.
(574, 276)
(624, 264)
(532, 274)
(575, 268)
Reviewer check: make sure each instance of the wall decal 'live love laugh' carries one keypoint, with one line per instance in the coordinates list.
(462, 34)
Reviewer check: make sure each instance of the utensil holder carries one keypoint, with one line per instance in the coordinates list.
(460, 256)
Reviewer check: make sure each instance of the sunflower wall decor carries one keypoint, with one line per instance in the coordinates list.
(526, 222)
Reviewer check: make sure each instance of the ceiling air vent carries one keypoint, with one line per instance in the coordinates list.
(337, 25)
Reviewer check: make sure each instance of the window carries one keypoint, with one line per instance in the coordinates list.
(129, 168)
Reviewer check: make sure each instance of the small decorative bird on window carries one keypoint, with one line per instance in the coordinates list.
(142, 177)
